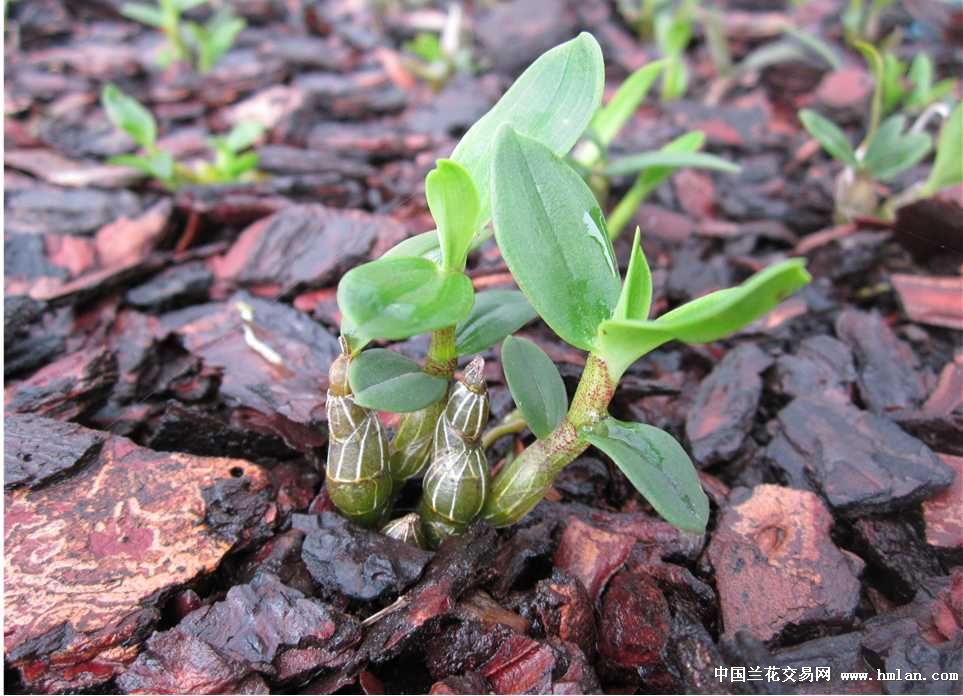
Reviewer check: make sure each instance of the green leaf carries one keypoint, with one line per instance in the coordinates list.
(453, 202)
(551, 102)
(495, 315)
(610, 118)
(948, 167)
(388, 381)
(129, 115)
(921, 78)
(636, 297)
(815, 44)
(396, 298)
(145, 14)
(669, 158)
(833, 140)
(424, 245)
(890, 151)
(649, 180)
(240, 165)
(134, 161)
(535, 384)
(675, 79)
(875, 62)
(659, 469)
(892, 86)
(552, 235)
(709, 318)
(243, 135)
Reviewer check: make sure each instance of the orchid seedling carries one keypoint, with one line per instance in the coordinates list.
(233, 161)
(437, 58)
(890, 147)
(187, 40)
(509, 169)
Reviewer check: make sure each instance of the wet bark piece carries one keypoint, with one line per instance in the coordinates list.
(725, 405)
(931, 299)
(860, 463)
(520, 665)
(514, 34)
(888, 380)
(931, 228)
(591, 554)
(46, 209)
(61, 171)
(355, 562)
(303, 247)
(463, 647)
(776, 566)
(260, 627)
(32, 334)
(458, 566)
(71, 387)
(286, 399)
(286, 160)
(821, 365)
(943, 513)
(175, 287)
(356, 95)
(89, 557)
(37, 450)
(892, 546)
(560, 606)
(633, 631)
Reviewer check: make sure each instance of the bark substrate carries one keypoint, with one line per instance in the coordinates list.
(166, 524)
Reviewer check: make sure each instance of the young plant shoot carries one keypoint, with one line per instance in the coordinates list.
(510, 169)
(891, 144)
(187, 40)
(233, 161)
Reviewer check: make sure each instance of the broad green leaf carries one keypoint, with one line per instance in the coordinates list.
(659, 469)
(610, 118)
(648, 181)
(243, 135)
(495, 315)
(669, 158)
(400, 297)
(896, 153)
(145, 14)
(388, 381)
(948, 167)
(535, 384)
(551, 102)
(424, 244)
(709, 318)
(552, 235)
(636, 297)
(129, 115)
(453, 202)
(833, 140)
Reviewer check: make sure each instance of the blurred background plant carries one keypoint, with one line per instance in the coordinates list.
(188, 41)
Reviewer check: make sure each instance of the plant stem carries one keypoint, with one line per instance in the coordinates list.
(514, 422)
(411, 446)
(524, 481)
(442, 356)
